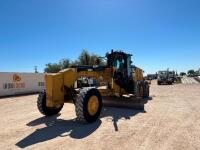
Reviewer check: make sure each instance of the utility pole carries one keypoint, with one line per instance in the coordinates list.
(35, 68)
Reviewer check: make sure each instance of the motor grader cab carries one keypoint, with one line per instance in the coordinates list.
(118, 79)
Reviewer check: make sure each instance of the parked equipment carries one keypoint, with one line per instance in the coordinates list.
(166, 77)
(151, 76)
(118, 79)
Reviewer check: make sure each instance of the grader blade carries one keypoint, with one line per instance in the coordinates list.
(132, 103)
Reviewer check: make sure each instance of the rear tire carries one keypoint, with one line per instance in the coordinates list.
(41, 104)
(82, 105)
(139, 89)
(146, 90)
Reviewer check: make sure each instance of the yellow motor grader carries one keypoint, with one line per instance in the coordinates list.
(118, 79)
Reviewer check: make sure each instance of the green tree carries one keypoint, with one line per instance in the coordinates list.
(84, 58)
(191, 72)
(96, 60)
(65, 63)
(182, 74)
(75, 63)
(52, 68)
(56, 67)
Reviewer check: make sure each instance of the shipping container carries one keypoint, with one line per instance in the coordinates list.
(14, 83)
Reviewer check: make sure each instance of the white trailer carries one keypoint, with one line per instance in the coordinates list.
(13, 83)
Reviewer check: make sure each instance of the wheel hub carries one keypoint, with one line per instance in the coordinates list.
(93, 105)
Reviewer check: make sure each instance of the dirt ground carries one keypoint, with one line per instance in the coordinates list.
(171, 121)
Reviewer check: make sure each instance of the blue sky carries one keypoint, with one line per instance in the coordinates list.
(159, 34)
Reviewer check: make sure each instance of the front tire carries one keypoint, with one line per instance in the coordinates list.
(88, 105)
(41, 104)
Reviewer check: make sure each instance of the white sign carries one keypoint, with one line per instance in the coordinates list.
(20, 83)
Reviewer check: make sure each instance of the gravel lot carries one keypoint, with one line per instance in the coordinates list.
(171, 121)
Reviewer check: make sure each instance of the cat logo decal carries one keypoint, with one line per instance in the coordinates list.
(16, 78)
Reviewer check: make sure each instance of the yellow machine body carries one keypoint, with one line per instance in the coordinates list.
(138, 74)
(56, 83)
(89, 86)
(55, 86)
